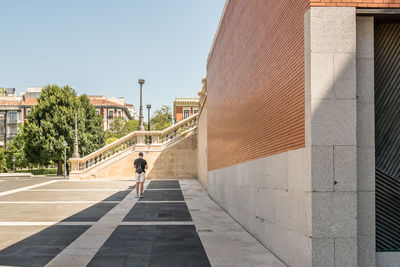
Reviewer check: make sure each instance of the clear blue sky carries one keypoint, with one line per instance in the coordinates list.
(103, 47)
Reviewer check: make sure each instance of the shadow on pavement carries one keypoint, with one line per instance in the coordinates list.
(40, 248)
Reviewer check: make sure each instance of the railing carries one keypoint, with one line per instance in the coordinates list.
(136, 138)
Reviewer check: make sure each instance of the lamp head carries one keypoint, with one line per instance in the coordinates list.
(64, 143)
(148, 106)
(141, 81)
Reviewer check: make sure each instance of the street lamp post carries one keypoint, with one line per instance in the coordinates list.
(83, 151)
(148, 117)
(14, 163)
(64, 143)
(148, 121)
(76, 144)
(141, 127)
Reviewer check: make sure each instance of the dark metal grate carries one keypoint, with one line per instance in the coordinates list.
(387, 136)
(387, 212)
(387, 98)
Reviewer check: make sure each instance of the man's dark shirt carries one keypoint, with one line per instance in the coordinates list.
(140, 162)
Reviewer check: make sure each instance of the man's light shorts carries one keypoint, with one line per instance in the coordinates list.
(139, 177)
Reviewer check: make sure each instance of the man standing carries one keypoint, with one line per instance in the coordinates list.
(140, 165)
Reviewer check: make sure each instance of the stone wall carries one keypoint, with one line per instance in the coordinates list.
(357, 3)
(202, 146)
(120, 167)
(331, 124)
(177, 160)
(365, 142)
(314, 206)
(270, 198)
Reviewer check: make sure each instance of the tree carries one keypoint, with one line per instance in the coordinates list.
(119, 128)
(162, 119)
(15, 150)
(52, 121)
(2, 160)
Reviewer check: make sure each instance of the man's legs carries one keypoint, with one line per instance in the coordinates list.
(141, 188)
(142, 177)
(137, 178)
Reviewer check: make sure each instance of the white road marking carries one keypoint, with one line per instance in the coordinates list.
(92, 223)
(57, 202)
(80, 189)
(26, 188)
(164, 189)
(44, 223)
(161, 201)
(158, 223)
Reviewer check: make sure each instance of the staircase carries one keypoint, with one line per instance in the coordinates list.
(171, 153)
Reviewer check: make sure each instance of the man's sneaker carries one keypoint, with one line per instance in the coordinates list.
(137, 196)
(141, 196)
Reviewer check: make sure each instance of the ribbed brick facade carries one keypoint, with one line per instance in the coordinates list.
(358, 3)
(255, 77)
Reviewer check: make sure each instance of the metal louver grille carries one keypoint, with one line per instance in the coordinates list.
(387, 136)
(387, 212)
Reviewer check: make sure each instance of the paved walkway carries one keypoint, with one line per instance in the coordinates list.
(101, 223)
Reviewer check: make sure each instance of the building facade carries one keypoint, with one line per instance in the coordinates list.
(185, 107)
(14, 110)
(301, 129)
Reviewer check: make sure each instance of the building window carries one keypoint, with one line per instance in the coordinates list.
(186, 114)
(119, 114)
(12, 117)
(13, 131)
(110, 114)
(195, 111)
(97, 112)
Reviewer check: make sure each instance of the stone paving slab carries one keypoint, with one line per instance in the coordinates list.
(92, 213)
(158, 212)
(65, 196)
(95, 229)
(163, 195)
(46, 212)
(158, 245)
(155, 184)
(95, 184)
(11, 184)
(225, 241)
(41, 247)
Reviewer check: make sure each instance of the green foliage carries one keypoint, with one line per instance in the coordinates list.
(162, 119)
(3, 162)
(15, 149)
(52, 121)
(120, 128)
(111, 139)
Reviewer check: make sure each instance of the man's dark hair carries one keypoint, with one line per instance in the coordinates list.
(141, 154)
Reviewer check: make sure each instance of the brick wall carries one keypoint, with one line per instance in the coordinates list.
(179, 114)
(358, 3)
(255, 76)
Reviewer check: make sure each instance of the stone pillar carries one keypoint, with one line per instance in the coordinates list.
(331, 122)
(365, 142)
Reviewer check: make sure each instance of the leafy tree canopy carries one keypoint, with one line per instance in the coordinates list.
(162, 119)
(15, 150)
(120, 127)
(52, 121)
(2, 160)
